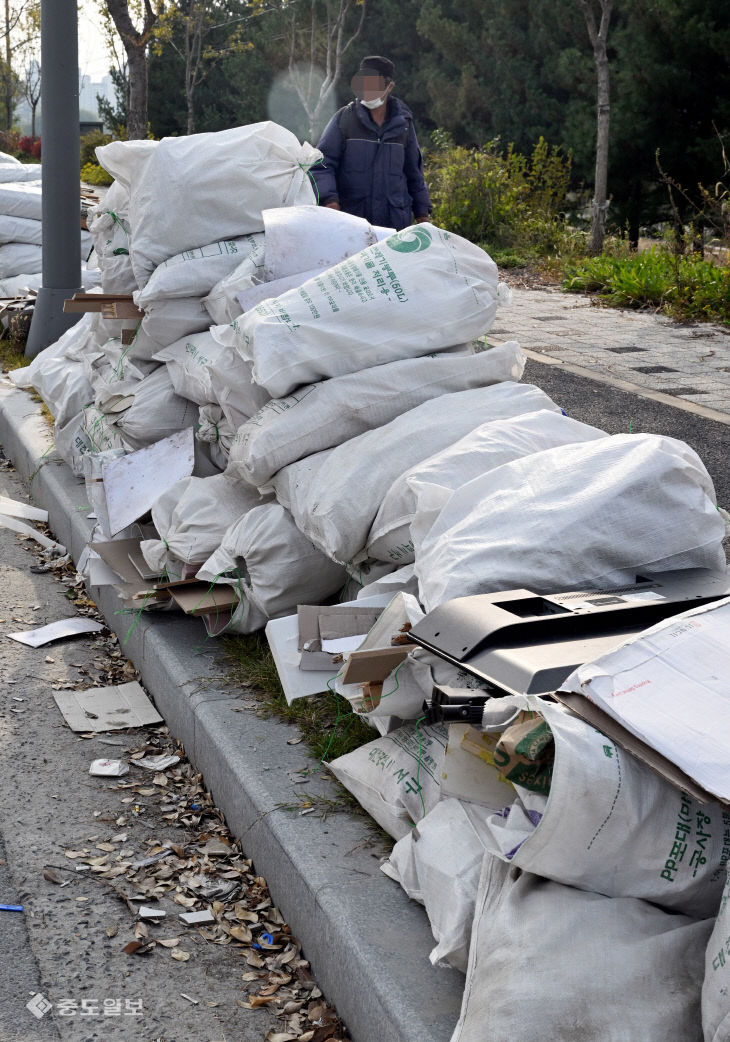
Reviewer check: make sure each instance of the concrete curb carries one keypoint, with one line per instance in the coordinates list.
(367, 943)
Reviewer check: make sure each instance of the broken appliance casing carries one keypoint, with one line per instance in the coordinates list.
(520, 642)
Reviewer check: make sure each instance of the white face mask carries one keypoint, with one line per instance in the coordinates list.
(375, 103)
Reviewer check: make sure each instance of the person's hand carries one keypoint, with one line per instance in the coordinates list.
(334, 205)
(422, 220)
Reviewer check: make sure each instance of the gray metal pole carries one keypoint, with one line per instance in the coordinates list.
(61, 180)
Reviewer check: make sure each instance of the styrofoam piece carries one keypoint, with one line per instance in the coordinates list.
(134, 482)
(108, 769)
(197, 918)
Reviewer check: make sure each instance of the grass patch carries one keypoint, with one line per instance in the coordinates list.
(327, 723)
(682, 287)
(12, 354)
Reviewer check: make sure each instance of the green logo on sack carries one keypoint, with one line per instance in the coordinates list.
(410, 240)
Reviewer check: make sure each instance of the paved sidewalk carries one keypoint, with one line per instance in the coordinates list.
(687, 361)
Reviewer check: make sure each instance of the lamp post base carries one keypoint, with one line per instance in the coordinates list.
(49, 321)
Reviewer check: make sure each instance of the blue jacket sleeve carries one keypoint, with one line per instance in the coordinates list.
(413, 169)
(324, 174)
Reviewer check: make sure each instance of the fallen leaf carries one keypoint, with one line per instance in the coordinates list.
(112, 930)
(241, 933)
(169, 942)
(295, 741)
(261, 1000)
(241, 912)
(140, 931)
(292, 1007)
(50, 876)
(186, 902)
(137, 948)
(106, 846)
(180, 955)
(277, 1036)
(250, 976)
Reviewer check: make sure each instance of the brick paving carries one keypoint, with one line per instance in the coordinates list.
(690, 361)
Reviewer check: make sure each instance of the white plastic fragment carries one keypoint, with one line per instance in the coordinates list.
(108, 768)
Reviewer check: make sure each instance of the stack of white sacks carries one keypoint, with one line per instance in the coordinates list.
(21, 228)
(359, 434)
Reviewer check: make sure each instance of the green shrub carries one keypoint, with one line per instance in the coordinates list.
(93, 174)
(500, 198)
(90, 142)
(684, 287)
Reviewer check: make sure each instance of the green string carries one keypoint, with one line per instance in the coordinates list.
(136, 619)
(307, 170)
(331, 680)
(420, 757)
(233, 609)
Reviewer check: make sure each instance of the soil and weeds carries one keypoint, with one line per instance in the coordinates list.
(521, 211)
(327, 723)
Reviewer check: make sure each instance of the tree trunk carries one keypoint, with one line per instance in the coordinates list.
(137, 111)
(598, 34)
(8, 72)
(600, 203)
(191, 25)
(32, 120)
(189, 101)
(135, 44)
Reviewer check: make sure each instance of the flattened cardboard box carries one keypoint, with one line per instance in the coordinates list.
(319, 622)
(107, 708)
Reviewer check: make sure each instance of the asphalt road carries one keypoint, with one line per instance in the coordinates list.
(67, 944)
(621, 412)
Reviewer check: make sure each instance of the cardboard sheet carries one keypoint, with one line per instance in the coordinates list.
(283, 636)
(198, 598)
(375, 664)
(11, 508)
(321, 624)
(137, 558)
(56, 631)
(22, 529)
(107, 708)
(669, 688)
(134, 482)
(116, 554)
(99, 572)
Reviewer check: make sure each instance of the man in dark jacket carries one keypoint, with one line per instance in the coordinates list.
(372, 164)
